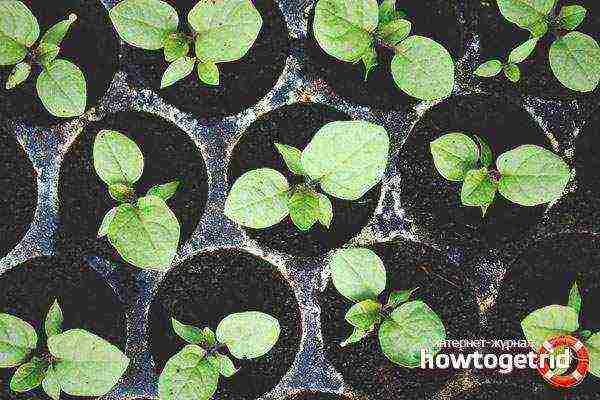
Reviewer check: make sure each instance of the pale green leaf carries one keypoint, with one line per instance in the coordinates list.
(46, 53)
(106, 221)
(56, 34)
(223, 364)
(394, 31)
(526, 13)
(177, 71)
(347, 158)
(86, 365)
(226, 29)
(117, 159)
(358, 274)
(485, 151)
(164, 191)
(411, 328)
(548, 322)
(325, 210)
(423, 68)
(370, 61)
(19, 30)
(524, 50)
(51, 385)
(512, 72)
(356, 336)
(121, 193)
(208, 72)
(144, 23)
(28, 376)
(575, 61)
(478, 190)
(258, 199)
(454, 154)
(345, 29)
(54, 320)
(17, 340)
(249, 334)
(189, 333)
(62, 89)
(570, 17)
(593, 346)
(532, 175)
(398, 297)
(364, 315)
(176, 47)
(291, 156)
(489, 69)
(575, 298)
(304, 207)
(18, 75)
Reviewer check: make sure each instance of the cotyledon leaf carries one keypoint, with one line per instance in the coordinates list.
(19, 30)
(86, 365)
(489, 68)
(56, 34)
(575, 61)
(357, 273)
(454, 154)
(526, 13)
(117, 159)
(548, 322)
(521, 52)
(17, 340)
(249, 334)
(62, 89)
(177, 70)
(593, 346)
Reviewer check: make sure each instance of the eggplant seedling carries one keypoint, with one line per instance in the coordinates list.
(194, 372)
(76, 361)
(345, 159)
(406, 327)
(61, 85)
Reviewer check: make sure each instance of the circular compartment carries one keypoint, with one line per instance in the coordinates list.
(19, 192)
(380, 90)
(242, 82)
(363, 365)
(209, 287)
(90, 43)
(436, 201)
(296, 125)
(169, 154)
(87, 302)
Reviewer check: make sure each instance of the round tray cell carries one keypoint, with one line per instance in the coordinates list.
(87, 302)
(363, 365)
(18, 183)
(380, 90)
(436, 201)
(295, 126)
(209, 287)
(90, 43)
(242, 83)
(169, 154)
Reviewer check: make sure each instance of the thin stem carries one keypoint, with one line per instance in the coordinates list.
(429, 271)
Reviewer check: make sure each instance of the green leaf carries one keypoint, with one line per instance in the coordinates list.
(575, 298)
(370, 61)
(62, 89)
(394, 31)
(304, 207)
(106, 221)
(398, 297)
(209, 336)
(144, 23)
(189, 333)
(258, 199)
(46, 53)
(585, 334)
(548, 322)
(325, 211)
(188, 375)
(523, 51)
(356, 336)
(223, 364)
(226, 29)
(532, 175)
(526, 13)
(291, 156)
(50, 384)
(343, 29)
(208, 72)
(56, 34)
(575, 61)
(358, 274)
(423, 68)
(489, 69)
(86, 365)
(249, 334)
(412, 327)
(570, 17)
(364, 315)
(18, 75)
(54, 320)
(19, 30)
(177, 71)
(347, 158)
(176, 47)
(17, 340)
(512, 72)
(593, 346)
(387, 11)
(539, 29)
(165, 191)
(485, 151)
(121, 193)
(454, 154)
(28, 376)
(145, 234)
(478, 190)
(117, 159)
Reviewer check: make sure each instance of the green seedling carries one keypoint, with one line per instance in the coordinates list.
(574, 56)
(528, 175)
(405, 326)
(345, 159)
(76, 361)
(219, 31)
(143, 230)
(61, 85)
(193, 373)
(556, 320)
(352, 31)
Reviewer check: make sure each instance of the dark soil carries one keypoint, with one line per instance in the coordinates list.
(363, 365)
(205, 290)
(18, 183)
(86, 300)
(347, 80)
(295, 126)
(316, 396)
(588, 153)
(169, 154)
(242, 83)
(91, 44)
(436, 201)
